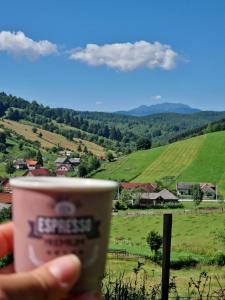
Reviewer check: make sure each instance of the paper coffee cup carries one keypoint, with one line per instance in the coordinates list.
(57, 216)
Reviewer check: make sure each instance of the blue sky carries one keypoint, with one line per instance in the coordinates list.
(142, 52)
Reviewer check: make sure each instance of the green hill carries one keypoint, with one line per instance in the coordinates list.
(199, 159)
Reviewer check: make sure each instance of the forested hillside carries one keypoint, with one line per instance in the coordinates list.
(112, 131)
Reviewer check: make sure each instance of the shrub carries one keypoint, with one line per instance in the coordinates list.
(184, 262)
(121, 205)
(219, 259)
(5, 214)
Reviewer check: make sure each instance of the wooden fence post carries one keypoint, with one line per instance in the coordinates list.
(167, 229)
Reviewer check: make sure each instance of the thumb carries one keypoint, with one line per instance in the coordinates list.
(49, 282)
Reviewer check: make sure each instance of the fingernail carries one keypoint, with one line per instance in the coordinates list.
(65, 269)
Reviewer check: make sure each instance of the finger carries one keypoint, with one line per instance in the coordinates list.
(52, 281)
(6, 238)
(8, 269)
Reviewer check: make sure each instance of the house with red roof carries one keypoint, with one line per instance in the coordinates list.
(150, 187)
(32, 164)
(38, 172)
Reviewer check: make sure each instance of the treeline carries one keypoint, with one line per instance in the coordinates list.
(211, 127)
(113, 131)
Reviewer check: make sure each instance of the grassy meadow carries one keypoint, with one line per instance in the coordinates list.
(194, 233)
(199, 159)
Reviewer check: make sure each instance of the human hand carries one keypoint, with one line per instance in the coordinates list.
(52, 281)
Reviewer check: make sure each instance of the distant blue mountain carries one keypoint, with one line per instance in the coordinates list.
(145, 110)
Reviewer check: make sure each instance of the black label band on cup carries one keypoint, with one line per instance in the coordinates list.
(64, 226)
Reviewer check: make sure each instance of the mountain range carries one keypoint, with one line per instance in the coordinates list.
(159, 108)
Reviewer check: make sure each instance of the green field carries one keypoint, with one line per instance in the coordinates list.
(199, 159)
(194, 232)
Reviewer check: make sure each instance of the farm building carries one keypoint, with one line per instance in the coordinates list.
(150, 199)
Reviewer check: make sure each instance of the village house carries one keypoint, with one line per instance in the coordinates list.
(150, 187)
(32, 164)
(75, 161)
(151, 199)
(20, 164)
(38, 172)
(66, 163)
(209, 190)
(185, 189)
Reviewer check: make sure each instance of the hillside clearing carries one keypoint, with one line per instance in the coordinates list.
(48, 139)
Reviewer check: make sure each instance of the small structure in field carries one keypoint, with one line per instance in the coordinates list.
(151, 199)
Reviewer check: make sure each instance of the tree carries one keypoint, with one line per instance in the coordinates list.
(144, 144)
(2, 137)
(9, 168)
(82, 171)
(20, 146)
(154, 241)
(39, 158)
(2, 147)
(109, 156)
(85, 149)
(197, 195)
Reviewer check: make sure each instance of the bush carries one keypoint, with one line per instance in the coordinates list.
(121, 205)
(5, 214)
(184, 262)
(219, 260)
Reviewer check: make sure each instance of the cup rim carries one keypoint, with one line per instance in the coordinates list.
(63, 184)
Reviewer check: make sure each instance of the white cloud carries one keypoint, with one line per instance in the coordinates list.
(156, 97)
(128, 56)
(18, 44)
(98, 103)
